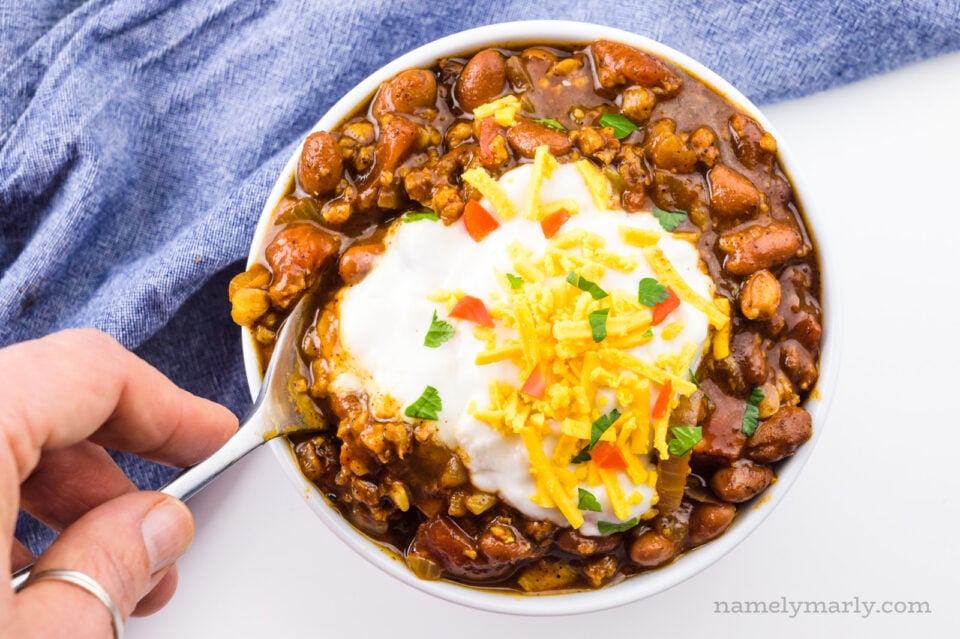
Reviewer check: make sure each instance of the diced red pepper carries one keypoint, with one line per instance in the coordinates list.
(552, 223)
(473, 310)
(478, 220)
(664, 308)
(663, 400)
(606, 455)
(535, 384)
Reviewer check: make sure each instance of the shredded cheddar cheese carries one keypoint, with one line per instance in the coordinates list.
(639, 237)
(567, 204)
(669, 276)
(596, 182)
(543, 166)
(544, 326)
(504, 110)
(488, 187)
(672, 330)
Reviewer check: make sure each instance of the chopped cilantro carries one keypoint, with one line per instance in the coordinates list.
(421, 215)
(598, 324)
(582, 456)
(607, 528)
(648, 333)
(584, 284)
(621, 125)
(553, 124)
(587, 501)
(669, 220)
(751, 414)
(599, 427)
(651, 292)
(515, 281)
(751, 419)
(684, 438)
(438, 333)
(426, 406)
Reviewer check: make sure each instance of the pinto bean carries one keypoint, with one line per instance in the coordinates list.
(525, 137)
(651, 549)
(780, 436)
(740, 482)
(760, 296)
(481, 80)
(732, 194)
(321, 164)
(296, 256)
(577, 543)
(619, 64)
(708, 521)
(357, 261)
(759, 246)
(754, 146)
(405, 93)
(798, 314)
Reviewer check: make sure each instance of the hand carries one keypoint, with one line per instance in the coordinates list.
(63, 398)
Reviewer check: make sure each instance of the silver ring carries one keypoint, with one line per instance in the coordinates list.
(86, 582)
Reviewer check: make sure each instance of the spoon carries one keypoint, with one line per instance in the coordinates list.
(273, 414)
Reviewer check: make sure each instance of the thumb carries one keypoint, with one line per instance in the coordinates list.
(127, 545)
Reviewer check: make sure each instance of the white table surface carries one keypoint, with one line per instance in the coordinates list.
(874, 515)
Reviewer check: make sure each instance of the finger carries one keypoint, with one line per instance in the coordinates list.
(121, 544)
(9, 509)
(160, 595)
(71, 481)
(20, 556)
(99, 383)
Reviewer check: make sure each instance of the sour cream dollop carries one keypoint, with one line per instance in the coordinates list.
(383, 320)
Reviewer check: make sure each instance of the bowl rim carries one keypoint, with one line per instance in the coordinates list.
(689, 563)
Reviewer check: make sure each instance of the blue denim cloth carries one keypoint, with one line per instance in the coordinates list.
(139, 139)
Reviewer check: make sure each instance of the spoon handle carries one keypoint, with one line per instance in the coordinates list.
(194, 479)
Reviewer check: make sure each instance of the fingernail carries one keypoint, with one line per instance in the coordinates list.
(167, 532)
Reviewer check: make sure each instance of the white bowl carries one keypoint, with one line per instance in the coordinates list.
(689, 563)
